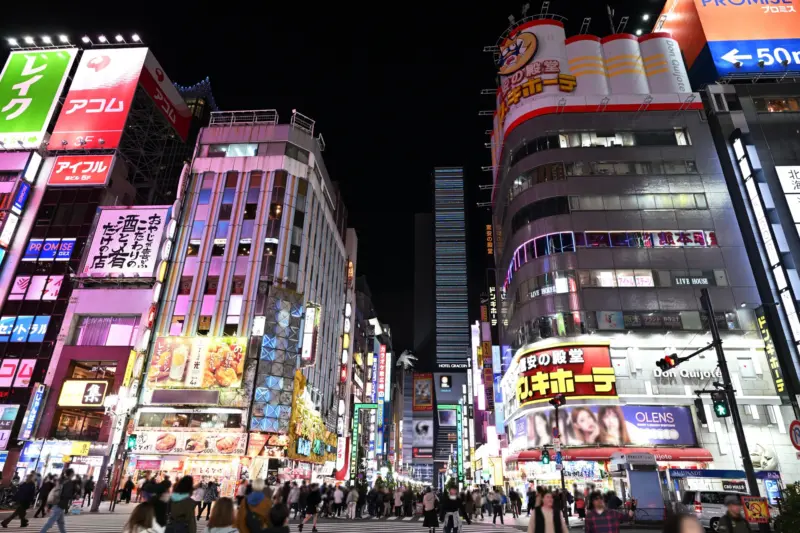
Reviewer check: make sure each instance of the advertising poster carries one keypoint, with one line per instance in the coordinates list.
(36, 287)
(422, 430)
(8, 413)
(166, 97)
(126, 243)
(197, 362)
(96, 108)
(611, 425)
(423, 392)
(175, 441)
(80, 170)
(30, 84)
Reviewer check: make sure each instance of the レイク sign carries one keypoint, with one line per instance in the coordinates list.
(30, 84)
(577, 370)
(80, 170)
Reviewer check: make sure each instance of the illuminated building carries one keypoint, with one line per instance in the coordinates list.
(610, 211)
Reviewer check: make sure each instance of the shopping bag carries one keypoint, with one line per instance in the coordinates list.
(75, 509)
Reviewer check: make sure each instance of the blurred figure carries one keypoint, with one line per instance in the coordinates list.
(547, 518)
(88, 489)
(211, 495)
(221, 520)
(127, 490)
(26, 494)
(279, 518)
(62, 497)
(682, 523)
(733, 521)
(352, 502)
(600, 519)
(452, 509)
(253, 515)
(431, 521)
(181, 505)
(44, 494)
(142, 520)
(314, 499)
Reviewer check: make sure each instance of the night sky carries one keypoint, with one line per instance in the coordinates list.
(394, 89)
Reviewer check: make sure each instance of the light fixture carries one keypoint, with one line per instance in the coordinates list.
(63, 38)
(28, 40)
(118, 38)
(743, 305)
(645, 17)
(12, 41)
(638, 32)
(46, 39)
(85, 39)
(102, 39)
(135, 38)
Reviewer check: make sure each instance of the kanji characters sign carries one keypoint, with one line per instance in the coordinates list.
(126, 242)
(81, 170)
(30, 84)
(578, 371)
(81, 393)
(774, 364)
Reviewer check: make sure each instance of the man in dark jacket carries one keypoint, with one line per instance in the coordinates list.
(733, 522)
(26, 494)
(88, 489)
(314, 499)
(67, 488)
(44, 492)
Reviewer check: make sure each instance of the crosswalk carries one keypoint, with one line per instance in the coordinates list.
(105, 522)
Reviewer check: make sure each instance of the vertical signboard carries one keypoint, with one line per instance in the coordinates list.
(381, 396)
(32, 412)
(773, 363)
(166, 97)
(310, 331)
(789, 178)
(96, 108)
(30, 84)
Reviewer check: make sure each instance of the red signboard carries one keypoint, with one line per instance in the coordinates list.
(256, 443)
(99, 99)
(488, 385)
(166, 96)
(578, 371)
(80, 170)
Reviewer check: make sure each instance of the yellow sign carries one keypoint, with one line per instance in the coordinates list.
(126, 381)
(756, 510)
(82, 393)
(79, 448)
(66, 459)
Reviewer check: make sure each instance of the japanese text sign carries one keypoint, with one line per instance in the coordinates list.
(772, 355)
(126, 242)
(577, 371)
(30, 85)
(197, 362)
(81, 393)
(176, 440)
(23, 328)
(80, 170)
(756, 509)
(99, 99)
(790, 183)
(8, 369)
(166, 97)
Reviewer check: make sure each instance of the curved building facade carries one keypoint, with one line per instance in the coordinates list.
(610, 214)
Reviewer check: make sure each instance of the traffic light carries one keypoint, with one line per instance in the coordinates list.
(545, 457)
(667, 363)
(558, 400)
(700, 410)
(721, 408)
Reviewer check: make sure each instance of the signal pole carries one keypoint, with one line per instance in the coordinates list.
(747, 463)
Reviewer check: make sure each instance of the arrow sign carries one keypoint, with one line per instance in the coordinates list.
(794, 433)
(733, 57)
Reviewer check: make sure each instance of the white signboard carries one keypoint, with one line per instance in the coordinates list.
(790, 183)
(126, 243)
(189, 442)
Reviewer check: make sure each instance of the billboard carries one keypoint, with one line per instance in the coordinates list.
(126, 242)
(609, 425)
(423, 392)
(166, 97)
(308, 350)
(82, 393)
(49, 250)
(23, 328)
(36, 287)
(99, 99)
(8, 413)
(190, 442)
(30, 84)
(197, 362)
(721, 34)
(81, 170)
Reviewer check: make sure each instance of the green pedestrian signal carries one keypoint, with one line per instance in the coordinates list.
(545, 457)
(721, 407)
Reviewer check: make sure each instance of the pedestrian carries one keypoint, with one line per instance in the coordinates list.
(88, 488)
(26, 495)
(352, 502)
(241, 492)
(469, 504)
(600, 519)
(732, 521)
(64, 494)
(549, 519)
(197, 496)
(127, 491)
(209, 497)
(139, 488)
(387, 502)
(612, 500)
(221, 520)
(181, 508)
(476, 501)
(44, 495)
(302, 500)
(682, 523)
(253, 515)
(398, 502)
(408, 501)
(431, 521)
(338, 500)
(142, 520)
(314, 499)
(372, 499)
(497, 506)
(279, 518)
(78, 482)
(452, 509)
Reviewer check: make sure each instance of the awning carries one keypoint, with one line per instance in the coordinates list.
(604, 454)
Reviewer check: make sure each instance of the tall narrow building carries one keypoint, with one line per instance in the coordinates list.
(452, 320)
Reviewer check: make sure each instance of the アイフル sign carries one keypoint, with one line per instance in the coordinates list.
(81, 170)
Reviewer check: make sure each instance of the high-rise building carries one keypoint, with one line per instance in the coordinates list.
(424, 343)
(450, 278)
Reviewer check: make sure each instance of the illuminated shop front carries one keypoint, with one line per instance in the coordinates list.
(311, 446)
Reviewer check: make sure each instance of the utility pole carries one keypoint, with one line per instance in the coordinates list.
(747, 463)
(558, 401)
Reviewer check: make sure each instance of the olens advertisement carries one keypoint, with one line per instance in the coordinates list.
(610, 425)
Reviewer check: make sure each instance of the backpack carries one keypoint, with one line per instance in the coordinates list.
(252, 520)
(173, 526)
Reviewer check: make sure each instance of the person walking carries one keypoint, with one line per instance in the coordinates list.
(181, 507)
(352, 502)
(197, 496)
(601, 519)
(312, 504)
(338, 501)
(221, 520)
(142, 520)
(294, 497)
(253, 514)
(431, 521)
(398, 502)
(733, 522)
(209, 497)
(241, 491)
(64, 494)
(452, 509)
(127, 491)
(549, 519)
(44, 494)
(26, 494)
(140, 488)
(88, 488)
(496, 502)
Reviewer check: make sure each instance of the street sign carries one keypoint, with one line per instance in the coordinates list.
(556, 441)
(559, 467)
(794, 433)
(555, 432)
(778, 55)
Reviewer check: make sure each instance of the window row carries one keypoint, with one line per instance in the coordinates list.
(218, 248)
(561, 282)
(588, 139)
(615, 202)
(560, 171)
(106, 331)
(777, 105)
(255, 149)
(557, 243)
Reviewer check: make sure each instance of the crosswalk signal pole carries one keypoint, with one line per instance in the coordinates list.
(747, 463)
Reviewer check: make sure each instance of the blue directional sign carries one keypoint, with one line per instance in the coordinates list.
(769, 56)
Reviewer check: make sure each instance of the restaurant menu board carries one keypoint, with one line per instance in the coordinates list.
(197, 362)
(172, 441)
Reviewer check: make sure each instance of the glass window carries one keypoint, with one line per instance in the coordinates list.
(691, 166)
(604, 278)
(228, 195)
(611, 202)
(682, 137)
(218, 250)
(683, 201)
(674, 167)
(700, 201)
(644, 278)
(243, 249)
(93, 370)
(628, 201)
(193, 249)
(623, 239)
(591, 203)
(602, 168)
(541, 246)
(295, 152)
(225, 211)
(197, 229)
(204, 196)
(233, 150)
(625, 278)
(597, 240)
(575, 203)
(222, 229)
(250, 211)
(646, 201)
(176, 327)
(106, 330)
(721, 278)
